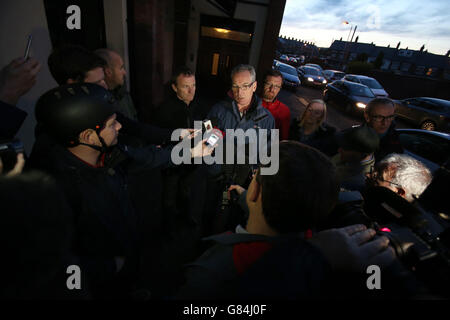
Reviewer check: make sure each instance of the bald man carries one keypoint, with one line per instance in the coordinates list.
(115, 79)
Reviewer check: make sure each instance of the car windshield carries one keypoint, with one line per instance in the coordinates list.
(288, 70)
(371, 83)
(361, 91)
(339, 75)
(313, 71)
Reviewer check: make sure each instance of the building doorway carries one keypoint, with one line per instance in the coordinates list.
(222, 46)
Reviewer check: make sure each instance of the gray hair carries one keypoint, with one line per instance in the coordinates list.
(378, 102)
(411, 174)
(244, 67)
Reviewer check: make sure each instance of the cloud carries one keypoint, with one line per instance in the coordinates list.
(393, 18)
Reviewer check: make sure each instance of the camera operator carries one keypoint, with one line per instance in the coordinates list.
(402, 174)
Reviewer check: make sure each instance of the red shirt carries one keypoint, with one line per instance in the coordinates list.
(282, 116)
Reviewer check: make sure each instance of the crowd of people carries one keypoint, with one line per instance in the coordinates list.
(99, 190)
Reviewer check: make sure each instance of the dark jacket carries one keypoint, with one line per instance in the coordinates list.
(124, 103)
(323, 139)
(226, 115)
(106, 223)
(389, 143)
(11, 119)
(174, 113)
(248, 266)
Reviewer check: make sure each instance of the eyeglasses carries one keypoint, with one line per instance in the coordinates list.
(383, 118)
(375, 176)
(244, 87)
(270, 85)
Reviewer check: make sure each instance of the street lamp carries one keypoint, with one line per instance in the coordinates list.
(345, 47)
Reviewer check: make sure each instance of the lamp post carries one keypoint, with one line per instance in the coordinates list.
(345, 47)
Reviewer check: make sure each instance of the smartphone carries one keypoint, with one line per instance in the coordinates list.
(27, 49)
(212, 140)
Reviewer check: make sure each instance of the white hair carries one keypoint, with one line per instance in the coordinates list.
(411, 174)
(244, 67)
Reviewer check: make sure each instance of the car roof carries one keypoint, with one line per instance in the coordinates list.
(335, 71)
(287, 65)
(360, 76)
(434, 133)
(350, 83)
(441, 102)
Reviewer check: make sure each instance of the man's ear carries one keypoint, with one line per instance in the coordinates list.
(107, 71)
(366, 117)
(253, 193)
(87, 136)
(401, 192)
(174, 87)
(255, 86)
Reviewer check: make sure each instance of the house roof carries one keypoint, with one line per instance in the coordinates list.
(417, 57)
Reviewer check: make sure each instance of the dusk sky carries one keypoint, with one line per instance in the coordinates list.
(382, 22)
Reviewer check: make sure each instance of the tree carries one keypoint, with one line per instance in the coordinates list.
(379, 60)
(362, 57)
(359, 67)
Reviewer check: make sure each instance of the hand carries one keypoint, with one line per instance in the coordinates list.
(17, 168)
(240, 190)
(17, 78)
(189, 133)
(353, 248)
(201, 150)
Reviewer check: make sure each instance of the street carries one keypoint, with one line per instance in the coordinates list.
(297, 101)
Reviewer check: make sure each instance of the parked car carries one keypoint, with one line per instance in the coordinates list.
(290, 76)
(353, 97)
(284, 58)
(333, 75)
(311, 77)
(314, 66)
(373, 84)
(430, 147)
(426, 113)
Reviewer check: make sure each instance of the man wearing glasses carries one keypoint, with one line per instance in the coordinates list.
(379, 115)
(245, 110)
(273, 80)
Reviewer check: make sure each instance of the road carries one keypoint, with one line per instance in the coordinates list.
(297, 101)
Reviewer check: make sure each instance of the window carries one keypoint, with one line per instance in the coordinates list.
(215, 64)
(430, 147)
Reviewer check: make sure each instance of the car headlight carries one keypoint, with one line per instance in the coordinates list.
(310, 79)
(360, 105)
(324, 81)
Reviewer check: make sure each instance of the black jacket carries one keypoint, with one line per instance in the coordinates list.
(389, 143)
(106, 223)
(248, 266)
(174, 113)
(323, 139)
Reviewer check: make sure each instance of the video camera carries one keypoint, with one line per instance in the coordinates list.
(419, 234)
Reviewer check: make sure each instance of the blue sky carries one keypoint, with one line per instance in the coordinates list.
(382, 22)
